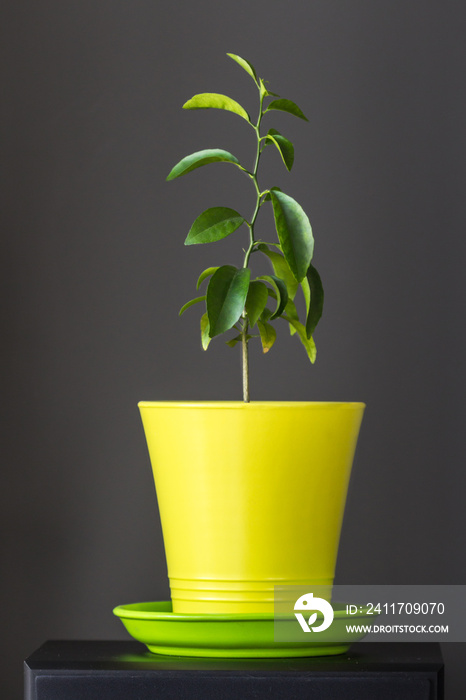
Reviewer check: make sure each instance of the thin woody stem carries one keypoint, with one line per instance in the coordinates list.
(245, 349)
(244, 333)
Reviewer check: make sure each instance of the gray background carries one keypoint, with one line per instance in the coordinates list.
(94, 272)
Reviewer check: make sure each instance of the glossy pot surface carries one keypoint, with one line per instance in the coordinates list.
(250, 496)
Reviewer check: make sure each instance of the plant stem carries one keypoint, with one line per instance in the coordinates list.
(244, 333)
(244, 345)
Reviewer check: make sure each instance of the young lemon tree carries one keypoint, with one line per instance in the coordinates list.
(233, 301)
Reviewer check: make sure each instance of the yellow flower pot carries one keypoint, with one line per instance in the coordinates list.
(250, 496)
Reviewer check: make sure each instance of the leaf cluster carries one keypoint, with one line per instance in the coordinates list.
(233, 300)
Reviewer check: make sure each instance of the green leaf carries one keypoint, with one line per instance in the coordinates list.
(291, 311)
(207, 273)
(281, 293)
(287, 106)
(317, 300)
(308, 343)
(196, 160)
(284, 146)
(213, 100)
(190, 303)
(213, 225)
(237, 339)
(226, 296)
(264, 90)
(267, 197)
(248, 67)
(268, 335)
(294, 233)
(266, 314)
(205, 337)
(281, 269)
(306, 294)
(255, 301)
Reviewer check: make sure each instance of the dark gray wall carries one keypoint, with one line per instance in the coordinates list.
(94, 272)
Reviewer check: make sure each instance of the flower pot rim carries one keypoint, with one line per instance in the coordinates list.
(241, 405)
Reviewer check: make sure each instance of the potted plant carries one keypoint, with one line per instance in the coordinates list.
(251, 494)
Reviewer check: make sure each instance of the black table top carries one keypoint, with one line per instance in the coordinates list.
(114, 670)
(127, 655)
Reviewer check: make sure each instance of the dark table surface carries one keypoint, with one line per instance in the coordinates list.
(62, 670)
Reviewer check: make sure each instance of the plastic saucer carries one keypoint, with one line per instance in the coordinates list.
(228, 636)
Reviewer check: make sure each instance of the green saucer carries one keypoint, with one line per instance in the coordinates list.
(234, 636)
